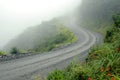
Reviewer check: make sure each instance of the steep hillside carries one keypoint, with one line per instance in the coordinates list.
(103, 62)
(97, 13)
(43, 37)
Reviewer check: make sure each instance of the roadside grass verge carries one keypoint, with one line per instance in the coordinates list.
(103, 62)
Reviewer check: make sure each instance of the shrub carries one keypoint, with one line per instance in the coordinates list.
(63, 37)
(2, 52)
(116, 19)
(56, 75)
(14, 50)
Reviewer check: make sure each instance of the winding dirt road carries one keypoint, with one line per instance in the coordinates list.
(24, 68)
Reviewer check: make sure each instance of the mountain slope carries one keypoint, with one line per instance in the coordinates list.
(103, 62)
(43, 37)
(97, 13)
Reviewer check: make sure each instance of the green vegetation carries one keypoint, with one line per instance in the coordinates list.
(103, 62)
(63, 37)
(14, 50)
(2, 52)
(97, 14)
(116, 19)
(42, 38)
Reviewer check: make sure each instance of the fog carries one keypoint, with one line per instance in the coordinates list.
(17, 15)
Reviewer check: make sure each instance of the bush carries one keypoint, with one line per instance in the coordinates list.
(56, 75)
(14, 51)
(111, 34)
(2, 52)
(116, 19)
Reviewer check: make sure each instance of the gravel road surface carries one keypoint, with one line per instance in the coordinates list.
(29, 67)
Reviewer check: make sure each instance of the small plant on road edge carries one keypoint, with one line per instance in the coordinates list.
(14, 50)
(2, 52)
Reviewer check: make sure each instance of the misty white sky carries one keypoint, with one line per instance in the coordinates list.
(17, 15)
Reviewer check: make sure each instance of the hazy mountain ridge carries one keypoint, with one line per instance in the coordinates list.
(31, 36)
(43, 37)
(102, 63)
(97, 13)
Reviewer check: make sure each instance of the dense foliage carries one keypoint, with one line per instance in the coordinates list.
(14, 50)
(97, 13)
(116, 19)
(41, 38)
(64, 37)
(103, 62)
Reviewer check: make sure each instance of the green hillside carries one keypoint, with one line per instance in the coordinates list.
(97, 13)
(103, 62)
(43, 37)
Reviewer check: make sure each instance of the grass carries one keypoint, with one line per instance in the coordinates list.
(2, 52)
(103, 62)
(64, 37)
